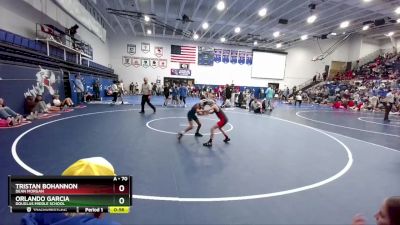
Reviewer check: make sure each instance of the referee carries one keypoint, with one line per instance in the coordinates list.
(146, 93)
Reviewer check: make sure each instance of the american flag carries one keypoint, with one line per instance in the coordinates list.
(183, 54)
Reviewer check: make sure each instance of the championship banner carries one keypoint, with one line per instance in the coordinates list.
(131, 49)
(217, 55)
(145, 47)
(126, 61)
(249, 58)
(154, 63)
(225, 55)
(136, 62)
(162, 63)
(181, 72)
(206, 56)
(158, 51)
(145, 62)
(234, 56)
(242, 57)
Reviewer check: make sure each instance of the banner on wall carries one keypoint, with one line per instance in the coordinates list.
(158, 51)
(206, 56)
(162, 63)
(225, 55)
(234, 56)
(181, 72)
(242, 57)
(136, 62)
(249, 58)
(126, 61)
(145, 47)
(131, 49)
(145, 62)
(217, 55)
(154, 63)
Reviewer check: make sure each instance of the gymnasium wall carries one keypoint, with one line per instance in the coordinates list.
(20, 17)
(299, 66)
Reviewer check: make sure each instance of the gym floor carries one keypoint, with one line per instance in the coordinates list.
(296, 165)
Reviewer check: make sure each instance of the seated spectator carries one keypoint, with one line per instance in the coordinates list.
(66, 102)
(388, 214)
(8, 114)
(256, 106)
(88, 97)
(40, 105)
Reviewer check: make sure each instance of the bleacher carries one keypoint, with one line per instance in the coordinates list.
(54, 51)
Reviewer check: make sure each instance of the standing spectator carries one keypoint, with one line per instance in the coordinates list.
(79, 88)
(183, 91)
(166, 94)
(136, 88)
(121, 91)
(131, 87)
(114, 89)
(228, 92)
(96, 90)
(269, 94)
(388, 103)
(146, 93)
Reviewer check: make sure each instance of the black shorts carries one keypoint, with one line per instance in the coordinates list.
(166, 95)
(192, 116)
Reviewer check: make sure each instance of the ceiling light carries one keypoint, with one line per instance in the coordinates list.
(333, 33)
(205, 25)
(366, 27)
(311, 19)
(255, 43)
(390, 34)
(223, 39)
(237, 29)
(344, 32)
(344, 24)
(221, 5)
(146, 18)
(304, 37)
(262, 12)
(278, 45)
(398, 20)
(195, 36)
(397, 10)
(148, 31)
(276, 34)
(367, 0)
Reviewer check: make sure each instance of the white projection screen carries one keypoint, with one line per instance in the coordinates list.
(268, 65)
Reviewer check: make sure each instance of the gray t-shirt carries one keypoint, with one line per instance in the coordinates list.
(146, 89)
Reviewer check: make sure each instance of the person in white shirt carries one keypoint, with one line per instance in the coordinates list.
(146, 93)
(388, 103)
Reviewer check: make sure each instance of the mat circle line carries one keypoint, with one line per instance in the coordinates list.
(345, 169)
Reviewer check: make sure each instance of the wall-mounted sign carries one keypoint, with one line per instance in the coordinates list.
(181, 72)
(126, 61)
(158, 51)
(131, 49)
(145, 47)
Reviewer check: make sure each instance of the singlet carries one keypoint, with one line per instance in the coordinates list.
(220, 114)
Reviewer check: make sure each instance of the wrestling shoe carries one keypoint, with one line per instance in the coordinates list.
(198, 135)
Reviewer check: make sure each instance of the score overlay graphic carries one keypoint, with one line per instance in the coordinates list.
(82, 194)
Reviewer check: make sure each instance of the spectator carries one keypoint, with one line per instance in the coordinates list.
(183, 91)
(66, 102)
(388, 103)
(96, 90)
(8, 114)
(388, 214)
(79, 88)
(166, 94)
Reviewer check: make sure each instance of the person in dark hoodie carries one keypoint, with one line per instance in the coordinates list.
(95, 166)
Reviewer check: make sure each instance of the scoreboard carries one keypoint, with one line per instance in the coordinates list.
(80, 194)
